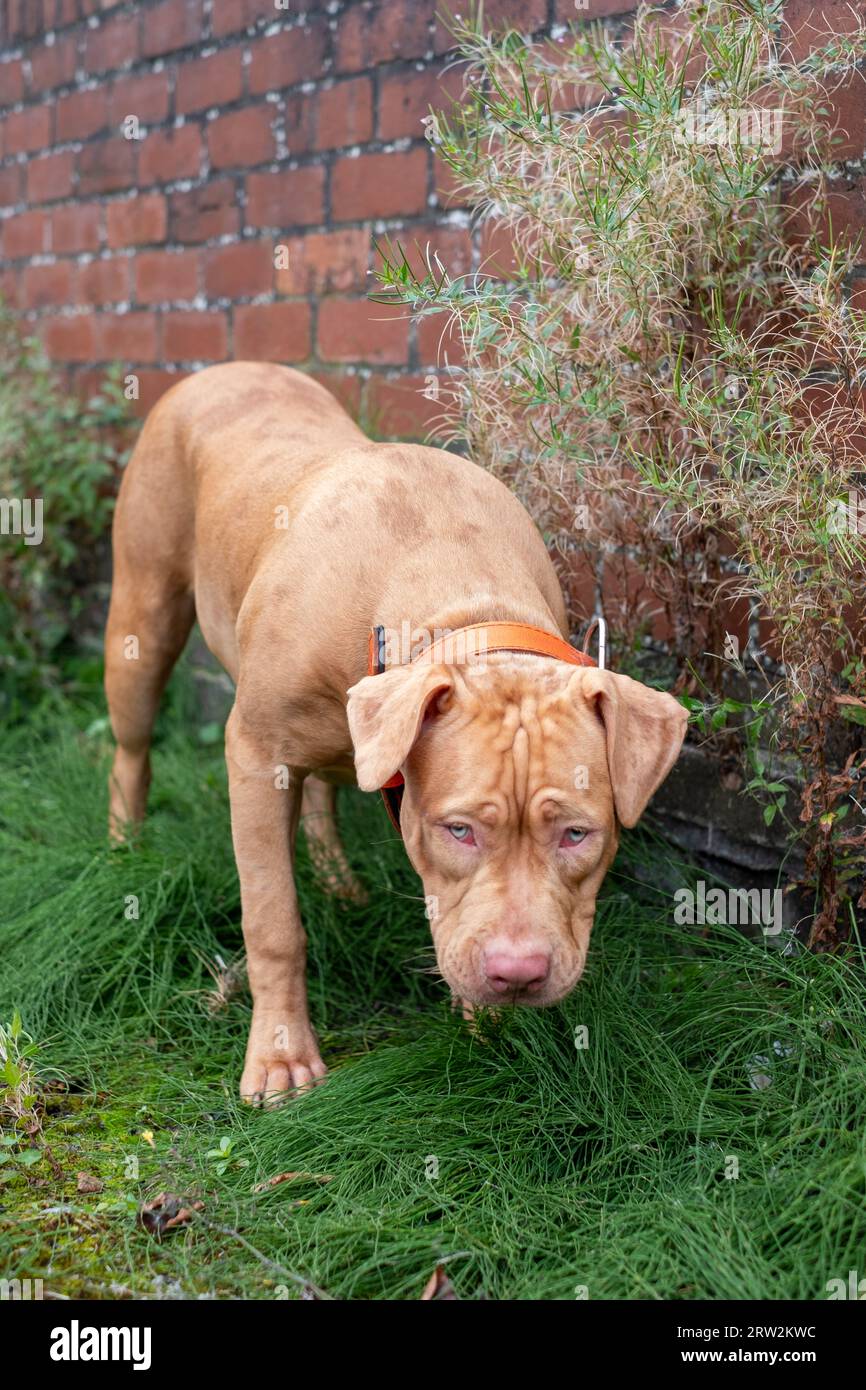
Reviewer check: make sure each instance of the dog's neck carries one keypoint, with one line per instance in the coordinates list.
(487, 608)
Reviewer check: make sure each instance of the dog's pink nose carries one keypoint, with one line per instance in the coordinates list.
(515, 969)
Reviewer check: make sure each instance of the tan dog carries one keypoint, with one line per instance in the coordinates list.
(253, 503)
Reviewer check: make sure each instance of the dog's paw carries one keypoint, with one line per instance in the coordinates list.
(279, 1063)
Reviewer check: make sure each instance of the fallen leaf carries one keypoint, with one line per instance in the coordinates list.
(439, 1288)
(87, 1182)
(166, 1212)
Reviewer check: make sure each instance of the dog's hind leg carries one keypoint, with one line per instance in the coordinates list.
(319, 819)
(148, 625)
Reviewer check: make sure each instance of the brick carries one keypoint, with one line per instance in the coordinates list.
(152, 384)
(146, 97)
(370, 34)
(128, 337)
(164, 275)
(54, 66)
(81, 114)
(70, 339)
(453, 246)
(358, 330)
(282, 60)
(322, 262)
(344, 114)
(212, 81)
(345, 386)
(290, 198)
(527, 16)
(172, 25)
(50, 178)
(299, 123)
(10, 289)
(105, 281)
(11, 185)
(113, 45)
(200, 214)
(239, 271)
(167, 155)
(27, 130)
(76, 228)
(195, 337)
(405, 99)
(397, 406)
(498, 253)
(11, 81)
(137, 221)
(26, 234)
(106, 166)
(379, 185)
(807, 26)
(47, 284)
(241, 138)
(272, 332)
(229, 16)
(439, 342)
(446, 186)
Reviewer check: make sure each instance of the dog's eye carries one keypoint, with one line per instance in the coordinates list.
(463, 833)
(572, 836)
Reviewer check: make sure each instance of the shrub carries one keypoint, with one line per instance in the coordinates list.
(62, 452)
(669, 377)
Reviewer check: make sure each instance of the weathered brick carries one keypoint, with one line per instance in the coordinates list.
(128, 337)
(370, 34)
(27, 130)
(344, 114)
(52, 66)
(229, 16)
(239, 271)
(137, 221)
(282, 60)
(112, 45)
(167, 155)
(11, 185)
(359, 330)
(146, 97)
(104, 281)
(76, 228)
(212, 81)
(47, 284)
(81, 114)
(290, 198)
(807, 26)
(70, 339)
(200, 214)
(195, 337)
(405, 99)
(106, 166)
(379, 185)
(11, 80)
(241, 138)
(153, 382)
(321, 262)
(165, 275)
(172, 25)
(26, 234)
(398, 406)
(50, 177)
(439, 342)
(272, 332)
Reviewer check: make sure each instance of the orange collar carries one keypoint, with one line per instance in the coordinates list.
(474, 641)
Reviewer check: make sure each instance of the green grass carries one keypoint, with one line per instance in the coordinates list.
(558, 1167)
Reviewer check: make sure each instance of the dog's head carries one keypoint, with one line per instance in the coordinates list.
(518, 773)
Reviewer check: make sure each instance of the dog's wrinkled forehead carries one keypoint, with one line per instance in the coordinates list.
(512, 726)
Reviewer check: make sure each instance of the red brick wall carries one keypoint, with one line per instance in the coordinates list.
(260, 127)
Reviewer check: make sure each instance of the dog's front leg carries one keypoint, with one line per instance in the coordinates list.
(282, 1052)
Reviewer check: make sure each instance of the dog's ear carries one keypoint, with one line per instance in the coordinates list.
(385, 714)
(644, 729)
